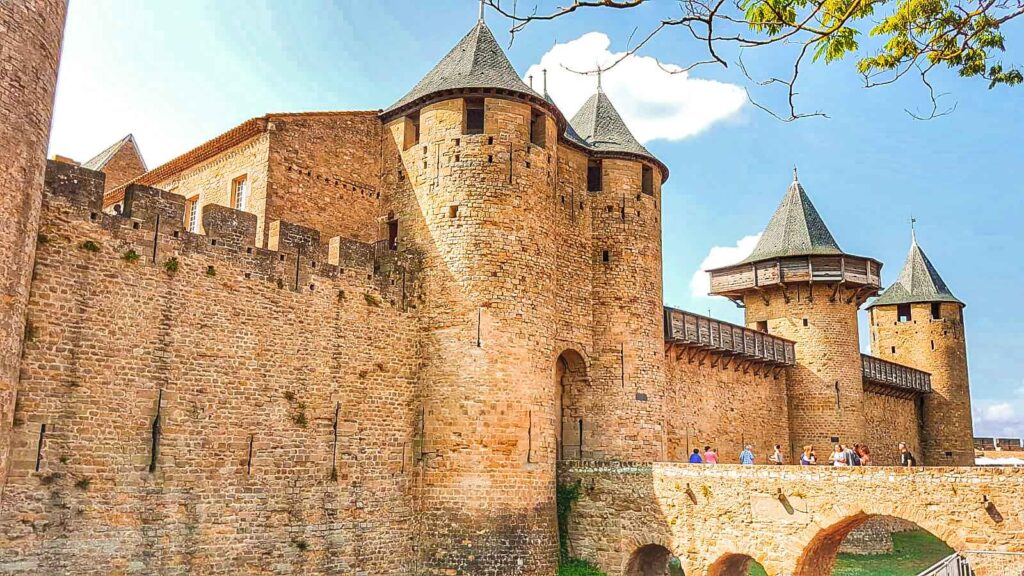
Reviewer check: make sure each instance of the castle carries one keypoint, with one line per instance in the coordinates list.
(360, 342)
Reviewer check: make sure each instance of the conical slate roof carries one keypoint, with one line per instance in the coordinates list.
(599, 125)
(796, 229)
(475, 62)
(918, 282)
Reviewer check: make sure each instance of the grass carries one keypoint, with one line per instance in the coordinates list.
(912, 553)
(576, 567)
(757, 570)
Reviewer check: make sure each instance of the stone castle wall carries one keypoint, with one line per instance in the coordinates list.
(724, 407)
(170, 421)
(887, 422)
(324, 172)
(937, 346)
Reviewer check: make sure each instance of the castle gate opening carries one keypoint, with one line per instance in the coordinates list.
(653, 560)
(733, 565)
(571, 384)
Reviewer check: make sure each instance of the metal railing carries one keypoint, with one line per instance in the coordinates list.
(952, 565)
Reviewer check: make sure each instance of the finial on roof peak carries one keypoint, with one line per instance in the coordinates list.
(544, 71)
(913, 231)
(599, 79)
(481, 17)
(529, 80)
(795, 178)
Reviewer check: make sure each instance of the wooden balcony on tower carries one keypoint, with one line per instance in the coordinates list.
(892, 379)
(862, 276)
(703, 339)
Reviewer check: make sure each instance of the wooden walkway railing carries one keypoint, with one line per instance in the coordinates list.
(696, 331)
(884, 376)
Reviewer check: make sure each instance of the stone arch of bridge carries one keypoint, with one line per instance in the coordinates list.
(823, 540)
(732, 565)
(572, 383)
(655, 559)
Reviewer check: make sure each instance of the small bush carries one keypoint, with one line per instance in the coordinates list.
(280, 283)
(42, 239)
(371, 300)
(83, 483)
(289, 395)
(130, 256)
(90, 246)
(210, 271)
(302, 545)
(64, 459)
(577, 567)
(171, 266)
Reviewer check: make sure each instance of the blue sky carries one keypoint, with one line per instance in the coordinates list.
(177, 73)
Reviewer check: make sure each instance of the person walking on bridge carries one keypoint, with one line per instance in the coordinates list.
(747, 456)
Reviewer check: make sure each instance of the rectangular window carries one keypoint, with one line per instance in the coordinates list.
(647, 182)
(474, 121)
(903, 312)
(240, 192)
(412, 130)
(538, 128)
(192, 214)
(594, 176)
(936, 311)
(762, 326)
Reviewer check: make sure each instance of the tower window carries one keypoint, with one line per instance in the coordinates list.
(936, 311)
(805, 321)
(594, 183)
(240, 192)
(604, 256)
(192, 214)
(538, 128)
(647, 180)
(392, 232)
(893, 349)
(412, 130)
(762, 326)
(903, 312)
(474, 121)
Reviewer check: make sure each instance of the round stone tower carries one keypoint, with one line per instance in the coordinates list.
(29, 53)
(918, 322)
(624, 189)
(798, 284)
(470, 156)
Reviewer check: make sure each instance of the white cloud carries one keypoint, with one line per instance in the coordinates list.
(718, 256)
(998, 418)
(654, 103)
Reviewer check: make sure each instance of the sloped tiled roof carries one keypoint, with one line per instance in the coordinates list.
(100, 160)
(796, 229)
(918, 282)
(477, 61)
(599, 125)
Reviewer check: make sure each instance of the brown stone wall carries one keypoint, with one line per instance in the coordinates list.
(874, 536)
(724, 407)
(482, 211)
(940, 348)
(827, 355)
(122, 167)
(280, 397)
(29, 51)
(324, 172)
(887, 422)
(211, 180)
(792, 520)
(629, 338)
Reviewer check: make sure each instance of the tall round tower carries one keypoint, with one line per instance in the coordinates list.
(624, 192)
(798, 284)
(917, 321)
(29, 53)
(470, 153)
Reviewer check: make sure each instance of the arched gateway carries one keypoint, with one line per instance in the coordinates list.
(790, 519)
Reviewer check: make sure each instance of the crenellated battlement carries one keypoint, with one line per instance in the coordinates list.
(151, 224)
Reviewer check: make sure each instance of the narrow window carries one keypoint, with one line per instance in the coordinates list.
(474, 122)
(412, 130)
(537, 128)
(240, 192)
(192, 214)
(762, 326)
(805, 321)
(594, 176)
(893, 349)
(936, 311)
(647, 180)
(604, 256)
(393, 233)
(903, 312)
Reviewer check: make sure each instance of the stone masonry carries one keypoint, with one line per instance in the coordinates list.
(373, 361)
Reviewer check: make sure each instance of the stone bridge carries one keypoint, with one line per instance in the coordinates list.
(629, 519)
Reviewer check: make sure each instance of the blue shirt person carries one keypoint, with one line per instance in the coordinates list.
(695, 457)
(747, 456)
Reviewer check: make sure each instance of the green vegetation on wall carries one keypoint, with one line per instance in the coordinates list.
(566, 495)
